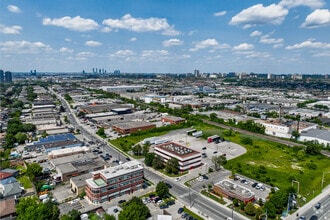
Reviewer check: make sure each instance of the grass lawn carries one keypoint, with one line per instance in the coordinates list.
(25, 181)
(192, 213)
(277, 164)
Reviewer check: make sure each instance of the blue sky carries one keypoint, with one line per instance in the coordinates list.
(166, 36)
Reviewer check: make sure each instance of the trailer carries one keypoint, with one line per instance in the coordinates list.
(190, 132)
(162, 141)
(197, 134)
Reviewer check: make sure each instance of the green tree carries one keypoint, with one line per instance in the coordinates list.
(72, 215)
(109, 217)
(31, 208)
(162, 189)
(137, 150)
(249, 209)
(149, 158)
(157, 162)
(295, 134)
(20, 137)
(134, 209)
(33, 170)
(218, 161)
(246, 140)
(259, 212)
(145, 149)
(271, 210)
(100, 132)
(172, 166)
(312, 148)
(213, 117)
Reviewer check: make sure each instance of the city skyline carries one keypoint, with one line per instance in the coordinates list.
(284, 36)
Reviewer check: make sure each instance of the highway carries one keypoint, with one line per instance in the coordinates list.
(187, 196)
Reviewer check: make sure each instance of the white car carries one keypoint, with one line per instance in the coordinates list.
(177, 179)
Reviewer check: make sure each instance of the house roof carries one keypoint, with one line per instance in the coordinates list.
(10, 189)
(7, 207)
(4, 175)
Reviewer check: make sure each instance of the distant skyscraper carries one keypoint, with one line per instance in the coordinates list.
(8, 76)
(116, 72)
(196, 72)
(1, 76)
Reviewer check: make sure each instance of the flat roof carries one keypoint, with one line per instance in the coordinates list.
(72, 158)
(235, 189)
(132, 124)
(174, 118)
(317, 133)
(177, 149)
(111, 172)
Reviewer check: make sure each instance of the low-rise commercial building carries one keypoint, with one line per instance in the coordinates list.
(187, 158)
(231, 190)
(115, 181)
(133, 126)
(172, 119)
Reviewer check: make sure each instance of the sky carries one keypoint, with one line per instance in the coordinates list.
(166, 36)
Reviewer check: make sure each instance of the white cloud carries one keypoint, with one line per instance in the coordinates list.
(297, 3)
(106, 29)
(318, 18)
(76, 23)
(172, 42)
(324, 54)
(244, 46)
(152, 53)
(259, 14)
(91, 43)
(13, 8)
(67, 39)
(192, 32)
(24, 47)
(266, 40)
(133, 39)
(255, 34)
(10, 30)
(65, 50)
(220, 13)
(141, 25)
(278, 45)
(85, 55)
(124, 53)
(309, 44)
(209, 43)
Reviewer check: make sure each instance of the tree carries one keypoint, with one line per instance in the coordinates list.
(162, 189)
(72, 215)
(312, 148)
(213, 116)
(149, 158)
(20, 137)
(33, 170)
(145, 149)
(172, 166)
(259, 212)
(249, 209)
(109, 217)
(100, 132)
(271, 210)
(295, 134)
(218, 161)
(31, 208)
(157, 162)
(134, 209)
(137, 150)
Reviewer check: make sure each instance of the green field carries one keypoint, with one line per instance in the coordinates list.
(277, 164)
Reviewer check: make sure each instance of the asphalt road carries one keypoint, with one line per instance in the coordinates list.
(189, 197)
(322, 213)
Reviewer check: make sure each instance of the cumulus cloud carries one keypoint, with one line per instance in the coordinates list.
(209, 43)
(244, 46)
(278, 45)
(84, 56)
(106, 29)
(65, 50)
(10, 30)
(133, 39)
(141, 25)
(14, 9)
(255, 34)
(259, 14)
(172, 42)
(124, 53)
(91, 43)
(76, 23)
(309, 44)
(318, 18)
(297, 3)
(24, 47)
(67, 39)
(220, 13)
(265, 39)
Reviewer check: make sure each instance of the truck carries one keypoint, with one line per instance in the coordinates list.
(213, 138)
(42, 197)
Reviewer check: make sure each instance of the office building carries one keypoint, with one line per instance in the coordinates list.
(187, 158)
(114, 181)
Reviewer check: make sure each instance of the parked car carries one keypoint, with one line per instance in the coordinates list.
(171, 202)
(205, 177)
(314, 217)
(121, 201)
(163, 206)
(318, 205)
(204, 148)
(254, 184)
(180, 210)
(168, 185)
